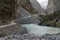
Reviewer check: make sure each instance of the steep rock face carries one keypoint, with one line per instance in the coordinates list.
(10, 8)
(7, 11)
(27, 5)
(37, 6)
(53, 5)
(53, 11)
(25, 17)
(22, 12)
(25, 11)
(57, 4)
(50, 7)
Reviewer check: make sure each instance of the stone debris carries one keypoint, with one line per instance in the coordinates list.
(32, 37)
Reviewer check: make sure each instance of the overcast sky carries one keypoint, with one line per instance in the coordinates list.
(43, 3)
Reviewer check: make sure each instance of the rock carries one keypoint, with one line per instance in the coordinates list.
(26, 4)
(53, 5)
(25, 16)
(50, 7)
(6, 15)
(43, 37)
(23, 12)
(38, 7)
(56, 4)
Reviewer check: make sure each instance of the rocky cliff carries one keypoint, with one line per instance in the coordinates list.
(57, 4)
(25, 10)
(27, 5)
(38, 7)
(53, 11)
(50, 7)
(53, 5)
(7, 11)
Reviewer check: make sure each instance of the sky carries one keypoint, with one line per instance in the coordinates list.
(43, 3)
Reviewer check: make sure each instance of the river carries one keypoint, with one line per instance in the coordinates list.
(40, 30)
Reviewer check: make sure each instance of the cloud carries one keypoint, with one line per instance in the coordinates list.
(43, 3)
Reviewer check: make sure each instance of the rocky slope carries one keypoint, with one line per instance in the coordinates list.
(7, 11)
(25, 15)
(27, 5)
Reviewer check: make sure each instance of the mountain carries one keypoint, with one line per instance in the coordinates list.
(26, 4)
(53, 17)
(50, 7)
(25, 17)
(26, 12)
(7, 11)
(53, 5)
(57, 4)
(38, 7)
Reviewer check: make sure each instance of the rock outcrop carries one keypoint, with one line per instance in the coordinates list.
(38, 7)
(50, 7)
(25, 11)
(27, 5)
(57, 4)
(53, 5)
(7, 11)
(53, 11)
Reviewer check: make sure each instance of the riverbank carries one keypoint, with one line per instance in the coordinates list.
(32, 30)
(11, 29)
(32, 37)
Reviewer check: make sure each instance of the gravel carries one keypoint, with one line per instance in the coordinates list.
(32, 37)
